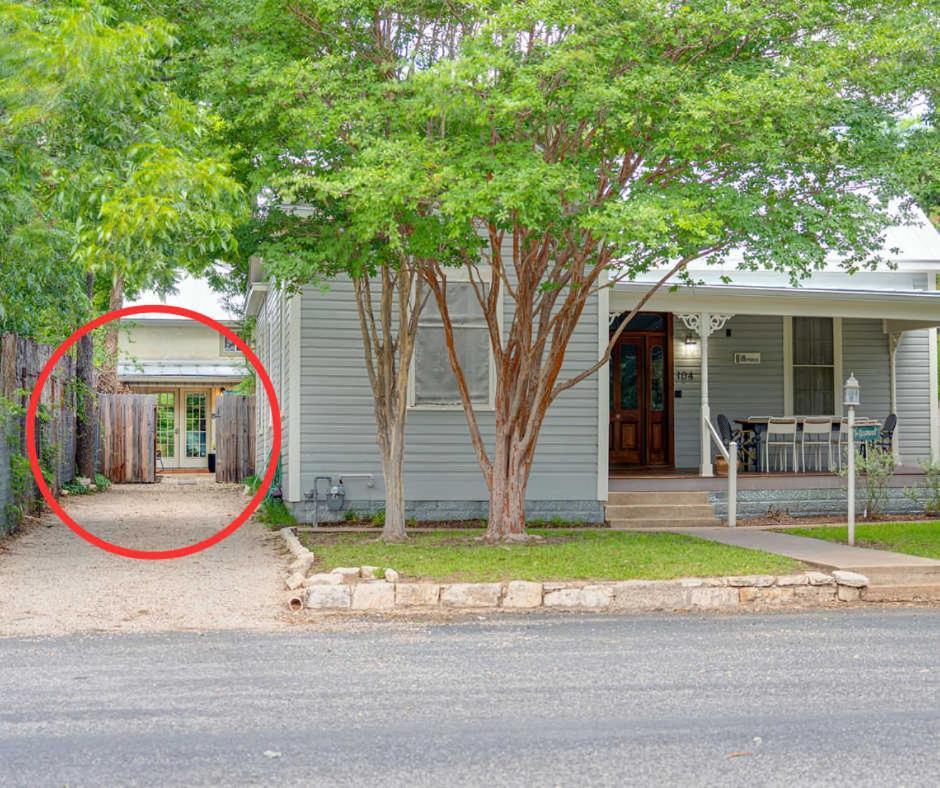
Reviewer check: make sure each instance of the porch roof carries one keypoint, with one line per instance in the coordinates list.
(180, 372)
(901, 310)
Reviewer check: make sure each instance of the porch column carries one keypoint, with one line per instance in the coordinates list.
(894, 339)
(704, 323)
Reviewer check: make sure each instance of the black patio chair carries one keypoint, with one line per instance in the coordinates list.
(887, 432)
(746, 441)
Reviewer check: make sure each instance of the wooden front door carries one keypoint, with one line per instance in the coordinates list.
(641, 394)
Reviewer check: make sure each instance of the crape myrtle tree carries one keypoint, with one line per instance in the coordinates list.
(589, 143)
(122, 175)
(343, 194)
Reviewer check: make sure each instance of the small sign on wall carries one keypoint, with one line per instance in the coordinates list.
(747, 358)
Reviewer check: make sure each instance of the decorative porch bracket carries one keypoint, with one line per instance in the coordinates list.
(705, 324)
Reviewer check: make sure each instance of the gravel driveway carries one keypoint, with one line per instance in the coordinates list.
(53, 582)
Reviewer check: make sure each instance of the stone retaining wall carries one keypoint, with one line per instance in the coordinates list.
(751, 592)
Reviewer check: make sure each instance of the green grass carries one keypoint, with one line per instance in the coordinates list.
(563, 555)
(922, 538)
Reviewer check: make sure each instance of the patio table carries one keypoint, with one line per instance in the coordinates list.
(868, 431)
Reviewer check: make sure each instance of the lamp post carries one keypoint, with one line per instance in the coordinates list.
(851, 398)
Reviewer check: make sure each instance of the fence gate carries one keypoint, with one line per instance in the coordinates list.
(127, 438)
(234, 437)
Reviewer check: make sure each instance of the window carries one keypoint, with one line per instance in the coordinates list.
(229, 348)
(434, 381)
(814, 372)
(166, 424)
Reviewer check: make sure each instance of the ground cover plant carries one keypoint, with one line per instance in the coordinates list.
(921, 538)
(558, 555)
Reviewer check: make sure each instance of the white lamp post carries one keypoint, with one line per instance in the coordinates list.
(851, 399)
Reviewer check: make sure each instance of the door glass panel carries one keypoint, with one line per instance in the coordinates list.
(628, 377)
(195, 425)
(657, 378)
(166, 424)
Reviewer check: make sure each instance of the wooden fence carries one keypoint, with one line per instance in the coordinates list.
(21, 361)
(127, 437)
(234, 437)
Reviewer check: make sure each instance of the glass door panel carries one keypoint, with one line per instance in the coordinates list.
(195, 436)
(166, 424)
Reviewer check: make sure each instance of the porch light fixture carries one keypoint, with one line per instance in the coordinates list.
(690, 340)
(851, 398)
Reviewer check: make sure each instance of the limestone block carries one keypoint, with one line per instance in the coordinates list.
(323, 579)
(373, 596)
(851, 579)
(567, 596)
(346, 571)
(649, 595)
(792, 580)
(470, 594)
(417, 594)
(596, 596)
(819, 579)
(391, 575)
(850, 593)
(710, 598)
(757, 581)
(326, 597)
(523, 594)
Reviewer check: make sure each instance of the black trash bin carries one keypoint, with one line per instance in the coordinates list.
(211, 462)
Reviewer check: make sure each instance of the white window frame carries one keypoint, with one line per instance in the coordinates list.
(462, 276)
(224, 351)
(837, 368)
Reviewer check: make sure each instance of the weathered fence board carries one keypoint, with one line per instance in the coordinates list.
(234, 437)
(127, 437)
(21, 361)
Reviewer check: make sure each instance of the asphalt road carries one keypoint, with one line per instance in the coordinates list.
(844, 698)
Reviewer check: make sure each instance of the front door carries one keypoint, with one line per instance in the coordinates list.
(641, 394)
(167, 430)
(195, 408)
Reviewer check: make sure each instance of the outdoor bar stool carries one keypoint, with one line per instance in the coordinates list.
(747, 443)
(781, 434)
(817, 434)
(887, 432)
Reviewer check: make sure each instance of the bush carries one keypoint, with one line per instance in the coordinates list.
(927, 495)
(252, 483)
(378, 519)
(102, 482)
(275, 514)
(877, 466)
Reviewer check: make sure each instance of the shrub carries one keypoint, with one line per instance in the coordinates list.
(877, 466)
(102, 482)
(378, 519)
(927, 495)
(275, 514)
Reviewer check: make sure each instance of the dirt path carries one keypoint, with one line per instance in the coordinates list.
(53, 582)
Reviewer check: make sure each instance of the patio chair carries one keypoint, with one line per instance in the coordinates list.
(887, 432)
(817, 434)
(781, 435)
(747, 441)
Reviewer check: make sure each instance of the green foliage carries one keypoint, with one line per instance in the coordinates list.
(102, 482)
(275, 514)
(107, 168)
(378, 519)
(76, 488)
(253, 483)
(875, 467)
(927, 494)
(350, 515)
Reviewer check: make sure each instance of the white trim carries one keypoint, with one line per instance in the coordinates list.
(295, 365)
(224, 351)
(603, 390)
(461, 275)
(838, 370)
(837, 365)
(796, 301)
(787, 365)
(256, 295)
(932, 388)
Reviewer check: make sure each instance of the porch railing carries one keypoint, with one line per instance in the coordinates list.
(730, 455)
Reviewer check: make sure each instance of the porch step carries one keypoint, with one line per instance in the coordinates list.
(658, 511)
(654, 497)
(908, 593)
(657, 524)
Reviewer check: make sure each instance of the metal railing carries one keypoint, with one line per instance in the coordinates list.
(730, 455)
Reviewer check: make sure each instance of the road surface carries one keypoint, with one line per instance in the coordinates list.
(842, 698)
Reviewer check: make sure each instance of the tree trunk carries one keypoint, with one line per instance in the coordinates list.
(507, 489)
(107, 380)
(392, 458)
(87, 406)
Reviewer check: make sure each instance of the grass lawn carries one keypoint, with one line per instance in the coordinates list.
(922, 538)
(563, 555)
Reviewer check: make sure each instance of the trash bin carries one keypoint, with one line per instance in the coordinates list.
(211, 462)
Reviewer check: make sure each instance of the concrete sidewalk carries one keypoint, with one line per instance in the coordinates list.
(881, 567)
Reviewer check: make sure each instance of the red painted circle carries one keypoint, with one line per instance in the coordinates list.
(152, 555)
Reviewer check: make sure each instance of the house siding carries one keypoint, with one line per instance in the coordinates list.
(442, 476)
(271, 349)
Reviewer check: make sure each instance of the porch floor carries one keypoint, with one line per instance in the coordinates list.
(678, 479)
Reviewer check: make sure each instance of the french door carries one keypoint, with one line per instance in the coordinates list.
(194, 410)
(641, 396)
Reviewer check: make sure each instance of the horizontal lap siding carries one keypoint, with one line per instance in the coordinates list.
(737, 390)
(865, 353)
(916, 389)
(271, 349)
(338, 425)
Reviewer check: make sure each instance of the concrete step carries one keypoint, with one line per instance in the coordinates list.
(907, 593)
(660, 523)
(658, 511)
(907, 575)
(659, 497)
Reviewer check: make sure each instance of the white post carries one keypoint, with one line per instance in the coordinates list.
(732, 484)
(893, 341)
(851, 472)
(704, 330)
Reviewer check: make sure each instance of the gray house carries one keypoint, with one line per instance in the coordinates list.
(635, 434)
